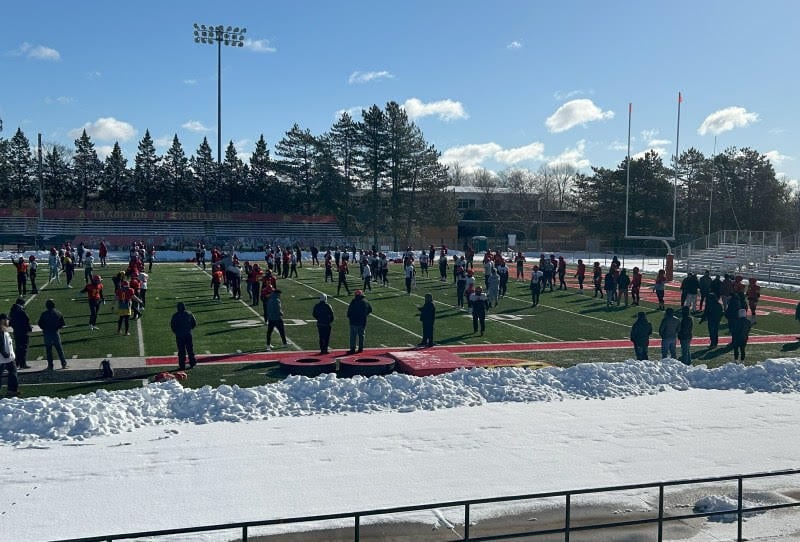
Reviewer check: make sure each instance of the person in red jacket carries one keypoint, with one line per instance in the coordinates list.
(22, 275)
(636, 285)
(753, 294)
(580, 274)
(103, 253)
(94, 294)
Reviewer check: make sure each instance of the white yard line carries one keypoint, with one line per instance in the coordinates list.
(385, 321)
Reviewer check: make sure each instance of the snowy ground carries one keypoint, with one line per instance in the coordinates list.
(165, 457)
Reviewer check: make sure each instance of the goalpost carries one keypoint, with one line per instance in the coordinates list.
(668, 268)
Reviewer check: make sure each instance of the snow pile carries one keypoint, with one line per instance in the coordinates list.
(727, 507)
(104, 412)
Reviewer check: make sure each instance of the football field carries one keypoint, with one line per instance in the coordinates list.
(234, 326)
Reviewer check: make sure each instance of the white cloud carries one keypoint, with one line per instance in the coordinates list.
(94, 75)
(106, 129)
(365, 77)
(727, 119)
(354, 112)
(659, 142)
(776, 158)
(259, 46)
(561, 95)
(446, 110)
(572, 157)
(514, 45)
(574, 113)
(190, 81)
(195, 126)
(61, 100)
(163, 141)
(103, 151)
(649, 134)
(618, 146)
(534, 151)
(470, 157)
(38, 52)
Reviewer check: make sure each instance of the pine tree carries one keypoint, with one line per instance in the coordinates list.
(20, 168)
(206, 174)
(55, 172)
(145, 176)
(86, 170)
(296, 150)
(116, 179)
(373, 161)
(175, 170)
(261, 181)
(234, 174)
(343, 140)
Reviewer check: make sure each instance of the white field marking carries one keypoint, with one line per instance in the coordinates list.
(208, 352)
(145, 382)
(373, 314)
(504, 322)
(462, 342)
(74, 356)
(575, 313)
(140, 336)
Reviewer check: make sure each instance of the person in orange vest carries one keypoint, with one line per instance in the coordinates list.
(22, 275)
(94, 293)
(217, 276)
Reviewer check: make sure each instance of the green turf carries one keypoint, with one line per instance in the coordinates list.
(229, 325)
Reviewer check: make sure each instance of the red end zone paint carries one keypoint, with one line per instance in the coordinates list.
(442, 353)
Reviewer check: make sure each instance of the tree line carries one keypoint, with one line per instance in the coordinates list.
(736, 189)
(377, 175)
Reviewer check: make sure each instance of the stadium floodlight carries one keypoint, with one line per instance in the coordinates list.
(222, 36)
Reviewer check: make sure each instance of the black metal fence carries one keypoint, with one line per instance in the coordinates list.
(658, 520)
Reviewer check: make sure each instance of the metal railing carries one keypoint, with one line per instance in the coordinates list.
(659, 520)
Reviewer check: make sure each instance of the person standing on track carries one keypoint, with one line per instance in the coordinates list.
(323, 314)
(640, 335)
(357, 313)
(480, 304)
(21, 324)
(7, 358)
(427, 315)
(50, 322)
(182, 324)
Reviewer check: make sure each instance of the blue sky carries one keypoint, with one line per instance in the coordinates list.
(492, 84)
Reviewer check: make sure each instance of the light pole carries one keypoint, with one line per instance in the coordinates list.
(221, 35)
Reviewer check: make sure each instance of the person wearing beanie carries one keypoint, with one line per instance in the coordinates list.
(275, 318)
(753, 295)
(323, 314)
(21, 325)
(740, 332)
(51, 321)
(182, 324)
(480, 304)
(357, 313)
(712, 313)
(7, 358)
(640, 335)
(427, 315)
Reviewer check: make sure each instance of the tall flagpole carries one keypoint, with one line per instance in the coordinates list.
(711, 188)
(628, 178)
(677, 142)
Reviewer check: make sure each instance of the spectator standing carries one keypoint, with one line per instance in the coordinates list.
(659, 286)
(580, 274)
(54, 264)
(357, 313)
(623, 281)
(668, 330)
(33, 268)
(685, 335)
(740, 332)
(366, 275)
(705, 287)
(713, 315)
(7, 358)
(275, 318)
(323, 314)
(409, 274)
(21, 325)
(343, 271)
(753, 295)
(636, 286)
(535, 285)
(640, 335)
(50, 322)
(479, 303)
(182, 324)
(427, 315)
(102, 253)
(520, 261)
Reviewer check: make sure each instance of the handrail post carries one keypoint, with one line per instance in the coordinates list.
(357, 533)
(244, 533)
(466, 521)
(567, 516)
(739, 514)
(660, 512)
